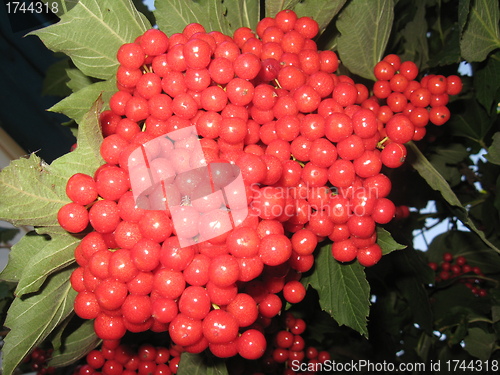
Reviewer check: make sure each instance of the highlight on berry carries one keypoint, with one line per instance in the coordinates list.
(244, 198)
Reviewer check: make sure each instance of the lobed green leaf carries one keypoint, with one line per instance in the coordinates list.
(415, 38)
(343, 290)
(34, 191)
(487, 83)
(242, 13)
(62, 7)
(29, 193)
(365, 27)
(473, 124)
(172, 16)
(113, 23)
(481, 33)
(77, 104)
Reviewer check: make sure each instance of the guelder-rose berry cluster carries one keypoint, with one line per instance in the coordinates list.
(310, 145)
(457, 268)
(38, 360)
(289, 353)
(115, 358)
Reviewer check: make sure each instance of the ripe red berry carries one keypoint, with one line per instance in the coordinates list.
(73, 217)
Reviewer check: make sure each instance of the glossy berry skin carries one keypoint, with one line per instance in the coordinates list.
(220, 327)
(131, 55)
(275, 249)
(184, 330)
(369, 256)
(73, 217)
(154, 42)
(109, 327)
(294, 291)
(344, 251)
(195, 302)
(251, 344)
(400, 129)
(244, 308)
(104, 216)
(81, 189)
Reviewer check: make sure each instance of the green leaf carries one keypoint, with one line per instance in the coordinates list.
(473, 124)
(386, 242)
(479, 343)
(448, 52)
(62, 6)
(319, 10)
(487, 83)
(481, 34)
(365, 27)
(242, 13)
(32, 319)
(172, 16)
(77, 80)
(437, 182)
(58, 253)
(343, 290)
(111, 22)
(29, 194)
(453, 153)
(86, 158)
(200, 364)
(75, 344)
(463, 13)
(446, 160)
(55, 81)
(26, 248)
(274, 6)
(493, 154)
(415, 38)
(77, 104)
(33, 191)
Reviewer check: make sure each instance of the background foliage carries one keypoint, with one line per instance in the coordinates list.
(395, 311)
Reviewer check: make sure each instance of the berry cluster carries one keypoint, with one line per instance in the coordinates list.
(310, 146)
(38, 360)
(116, 358)
(288, 347)
(420, 102)
(458, 268)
